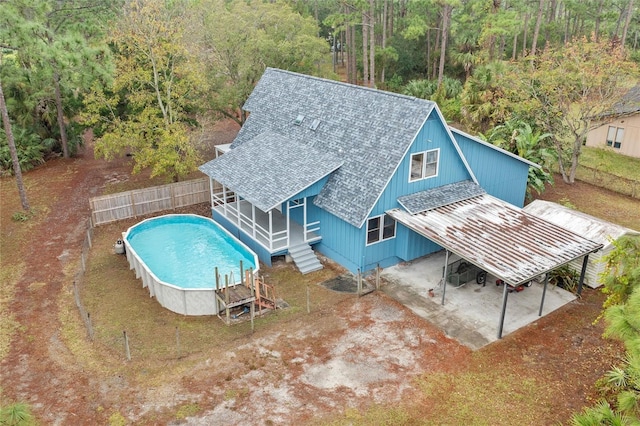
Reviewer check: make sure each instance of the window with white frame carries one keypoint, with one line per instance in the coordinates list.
(380, 228)
(424, 165)
(615, 136)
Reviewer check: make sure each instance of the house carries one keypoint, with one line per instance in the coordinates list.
(620, 130)
(371, 178)
(588, 226)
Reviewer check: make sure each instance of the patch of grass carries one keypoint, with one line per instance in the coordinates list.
(117, 419)
(187, 410)
(610, 161)
(376, 415)
(608, 169)
(18, 414)
(8, 324)
(116, 301)
(482, 398)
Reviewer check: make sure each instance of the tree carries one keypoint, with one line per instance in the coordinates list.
(236, 41)
(622, 313)
(572, 86)
(57, 46)
(151, 107)
(12, 148)
(447, 9)
(536, 32)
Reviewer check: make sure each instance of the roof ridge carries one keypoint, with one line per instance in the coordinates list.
(355, 86)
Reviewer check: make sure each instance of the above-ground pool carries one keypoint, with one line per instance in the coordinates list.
(177, 255)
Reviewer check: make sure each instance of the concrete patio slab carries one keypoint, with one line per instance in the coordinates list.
(471, 312)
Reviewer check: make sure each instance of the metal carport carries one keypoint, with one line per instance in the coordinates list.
(505, 241)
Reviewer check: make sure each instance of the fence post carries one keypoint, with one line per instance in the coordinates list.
(178, 342)
(89, 237)
(89, 326)
(133, 205)
(126, 345)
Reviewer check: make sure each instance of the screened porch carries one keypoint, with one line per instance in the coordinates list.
(275, 230)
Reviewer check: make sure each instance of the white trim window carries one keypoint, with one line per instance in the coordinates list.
(380, 228)
(615, 136)
(424, 165)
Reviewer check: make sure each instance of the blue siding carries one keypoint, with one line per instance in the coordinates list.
(411, 245)
(263, 254)
(407, 245)
(312, 190)
(296, 214)
(341, 241)
(450, 166)
(499, 174)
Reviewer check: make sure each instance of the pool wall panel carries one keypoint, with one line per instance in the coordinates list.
(176, 299)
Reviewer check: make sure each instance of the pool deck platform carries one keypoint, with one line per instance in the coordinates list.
(237, 295)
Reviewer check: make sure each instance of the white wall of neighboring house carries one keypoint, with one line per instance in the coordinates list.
(621, 134)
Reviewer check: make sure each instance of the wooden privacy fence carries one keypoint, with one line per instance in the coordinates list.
(124, 205)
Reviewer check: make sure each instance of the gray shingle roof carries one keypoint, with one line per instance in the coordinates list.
(270, 169)
(630, 102)
(369, 130)
(441, 196)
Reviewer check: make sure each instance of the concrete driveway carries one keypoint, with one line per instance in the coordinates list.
(471, 312)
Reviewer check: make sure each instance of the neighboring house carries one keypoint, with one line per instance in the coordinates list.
(589, 227)
(621, 129)
(332, 165)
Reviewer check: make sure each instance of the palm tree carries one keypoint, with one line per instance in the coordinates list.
(17, 414)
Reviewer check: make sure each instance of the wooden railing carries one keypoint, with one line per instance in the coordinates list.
(265, 294)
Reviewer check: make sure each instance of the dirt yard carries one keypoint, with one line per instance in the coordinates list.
(350, 361)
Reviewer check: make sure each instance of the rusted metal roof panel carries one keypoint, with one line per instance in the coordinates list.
(502, 239)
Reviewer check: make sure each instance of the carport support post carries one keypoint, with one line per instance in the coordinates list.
(505, 294)
(582, 273)
(544, 292)
(444, 274)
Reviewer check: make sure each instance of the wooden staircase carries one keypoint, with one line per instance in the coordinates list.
(265, 294)
(305, 258)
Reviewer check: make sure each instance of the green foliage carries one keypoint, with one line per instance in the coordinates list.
(30, 149)
(622, 313)
(485, 101)
(237, 40)
(520, 138)
(17, 414)
(423, 89)
(427, 89)
(56, 54)
(622, 271)
(22, 216)
(565, 277)
(571, 85)
(601, 414)
(150, 109)
(447, 96)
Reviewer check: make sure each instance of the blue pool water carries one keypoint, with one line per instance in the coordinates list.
(184, 250)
